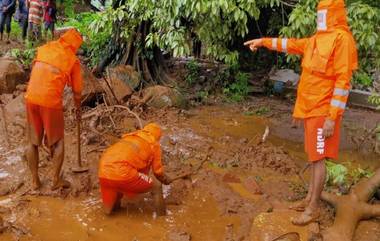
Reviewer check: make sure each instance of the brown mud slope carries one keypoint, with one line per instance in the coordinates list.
(242, 193)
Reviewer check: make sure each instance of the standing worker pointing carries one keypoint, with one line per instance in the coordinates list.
(55, 66)
(329, 59)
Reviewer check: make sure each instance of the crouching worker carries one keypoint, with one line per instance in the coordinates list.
(124, 169)
(54, 67)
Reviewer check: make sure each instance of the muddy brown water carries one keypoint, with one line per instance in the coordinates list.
(199, 215)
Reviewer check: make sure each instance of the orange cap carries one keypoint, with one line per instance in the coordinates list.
(72, 38)
(332, 15)
(154, 130)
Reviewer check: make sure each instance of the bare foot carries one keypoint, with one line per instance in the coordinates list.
(300, 206)
(36, 184)
(61, 183)
(307, 217)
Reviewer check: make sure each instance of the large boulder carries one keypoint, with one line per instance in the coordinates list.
(92, 90)
(11, 74)
(15, 109)
(123, 80)
(161, 96)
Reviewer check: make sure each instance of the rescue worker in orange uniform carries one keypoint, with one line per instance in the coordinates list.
(55, 66)
(329, 59)
(124, 168)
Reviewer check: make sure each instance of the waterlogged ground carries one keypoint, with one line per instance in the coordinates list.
(218, 203)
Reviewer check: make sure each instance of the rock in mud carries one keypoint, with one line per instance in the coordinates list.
(179, 236)
(92, 90)
(161, 96)
(11, 74)
(252, 186)
(123, 80)
(5, 98)
(231, 178)
(2, 225)
(15, 109)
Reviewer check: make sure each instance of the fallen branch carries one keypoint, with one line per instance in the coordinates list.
(281, 237)
(131, 112)
(196, 170)
(110, 116)
(4, 125)
(94, 112)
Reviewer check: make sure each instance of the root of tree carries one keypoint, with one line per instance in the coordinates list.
(352, 208)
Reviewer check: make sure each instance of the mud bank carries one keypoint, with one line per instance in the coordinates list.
(242, 193)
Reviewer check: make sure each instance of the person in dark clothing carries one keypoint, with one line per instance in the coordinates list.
(50, 17)
(22, 16)
(7, 9)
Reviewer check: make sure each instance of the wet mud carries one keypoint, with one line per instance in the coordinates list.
(242, 193)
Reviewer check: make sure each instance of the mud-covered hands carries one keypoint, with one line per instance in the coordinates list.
(328, 128)
(254, 44)
(296, 123)
(164, 179)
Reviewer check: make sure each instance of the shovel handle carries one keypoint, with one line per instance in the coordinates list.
(79, 141)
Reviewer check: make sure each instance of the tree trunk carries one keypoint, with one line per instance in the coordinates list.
(152, 71)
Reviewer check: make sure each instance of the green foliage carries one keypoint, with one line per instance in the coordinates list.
(174, 24)
(24, 56)
(202, 95)
(68, 6)
(336, 174)
(238, 89)
(362, 79)
(16, 29)
(193, 69)
(262, 111)
(95, 43)
(339, 175)
(375, 100)
(364, 20)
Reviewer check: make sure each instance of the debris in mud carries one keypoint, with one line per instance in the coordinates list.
(179, 236)
(230, 178)
(123, 80)
(229, 236)
(161, 96)
(251, 185)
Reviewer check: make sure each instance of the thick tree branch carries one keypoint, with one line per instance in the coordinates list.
(330, 198)
(366, 188)
(370, 211)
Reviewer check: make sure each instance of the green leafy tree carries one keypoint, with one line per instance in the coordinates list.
(142, 29)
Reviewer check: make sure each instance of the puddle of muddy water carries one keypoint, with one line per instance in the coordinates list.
(223, 121)
(56, 219)
(83, 219)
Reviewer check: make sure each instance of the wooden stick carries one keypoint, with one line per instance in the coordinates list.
(284, 235)
(110, 88)
(131, 112)
(110, 116)
(5, 126)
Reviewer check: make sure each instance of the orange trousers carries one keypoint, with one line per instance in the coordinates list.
(113, 190)
(46, 121)
(316, 146)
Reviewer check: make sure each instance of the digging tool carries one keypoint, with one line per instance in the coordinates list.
(79, 168)
(4, 122)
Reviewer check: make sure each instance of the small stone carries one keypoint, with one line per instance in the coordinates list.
(231, 178)
(251, 185)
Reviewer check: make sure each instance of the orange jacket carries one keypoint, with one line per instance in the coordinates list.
(135, 152)
(54, 66)
(329, 59)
